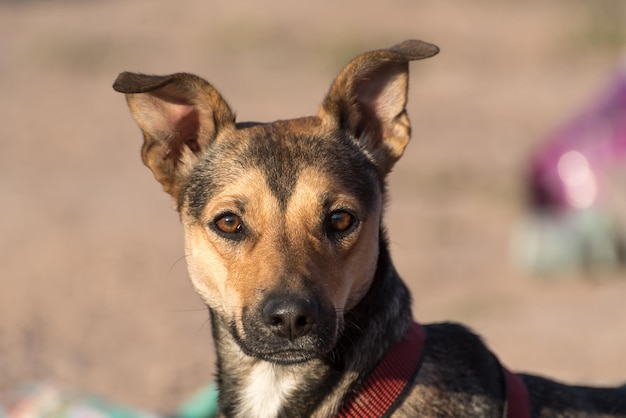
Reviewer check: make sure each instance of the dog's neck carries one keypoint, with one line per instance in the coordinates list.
(255, 388)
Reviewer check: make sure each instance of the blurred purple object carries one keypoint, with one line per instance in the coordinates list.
(577, 192)
(565, 170)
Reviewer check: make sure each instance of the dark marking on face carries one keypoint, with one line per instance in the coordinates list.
(280, 154)
(280, 159)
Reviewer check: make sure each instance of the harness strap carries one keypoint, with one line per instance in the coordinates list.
(517, 402)
(387, 385)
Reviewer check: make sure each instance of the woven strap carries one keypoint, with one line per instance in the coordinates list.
(388, 383)
(517, 402)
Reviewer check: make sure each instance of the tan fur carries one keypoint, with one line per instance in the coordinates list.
(284, 244)
(342, 272)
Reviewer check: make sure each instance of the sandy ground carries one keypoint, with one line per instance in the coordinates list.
(93, 288)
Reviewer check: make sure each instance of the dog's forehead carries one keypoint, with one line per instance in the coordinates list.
(280, 151)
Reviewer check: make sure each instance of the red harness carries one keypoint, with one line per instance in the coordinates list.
(517, 405)
(388, 384)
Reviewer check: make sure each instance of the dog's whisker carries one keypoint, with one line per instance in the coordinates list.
(188, 310)
(175, 263)
(206, 321)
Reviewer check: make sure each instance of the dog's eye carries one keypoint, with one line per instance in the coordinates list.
(340, 221)
(228, 223)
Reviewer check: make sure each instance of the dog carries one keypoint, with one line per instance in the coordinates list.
(285, 244)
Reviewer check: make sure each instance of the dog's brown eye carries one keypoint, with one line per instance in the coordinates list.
(228, 223)
(340, 221)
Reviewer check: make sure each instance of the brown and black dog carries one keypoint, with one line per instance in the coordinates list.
(285, 244)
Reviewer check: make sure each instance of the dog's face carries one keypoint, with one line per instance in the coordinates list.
(281, 229)
(281, 220)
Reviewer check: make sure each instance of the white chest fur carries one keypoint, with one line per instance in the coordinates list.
(265, 390)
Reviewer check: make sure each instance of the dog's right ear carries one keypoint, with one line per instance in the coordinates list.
(179, 114)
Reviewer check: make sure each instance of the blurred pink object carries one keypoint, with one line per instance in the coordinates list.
(566, 170)
(577, 198)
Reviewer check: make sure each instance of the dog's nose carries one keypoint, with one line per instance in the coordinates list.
(290, 317)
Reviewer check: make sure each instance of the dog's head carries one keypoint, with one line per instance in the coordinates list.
(281, 220)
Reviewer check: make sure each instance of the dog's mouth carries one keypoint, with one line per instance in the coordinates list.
(279, 351)
(268, 347)
(286, 357)
(286, 338)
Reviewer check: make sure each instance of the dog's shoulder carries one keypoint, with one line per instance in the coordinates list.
(449, 341)
(459, 376)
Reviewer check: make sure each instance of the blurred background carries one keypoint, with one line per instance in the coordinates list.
(93, 289)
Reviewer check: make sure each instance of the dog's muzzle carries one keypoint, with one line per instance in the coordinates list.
(288, 328)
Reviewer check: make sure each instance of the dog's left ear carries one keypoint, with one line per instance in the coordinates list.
(368, 99)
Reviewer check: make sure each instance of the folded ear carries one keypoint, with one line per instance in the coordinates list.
(368, 99)
(179, 114)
